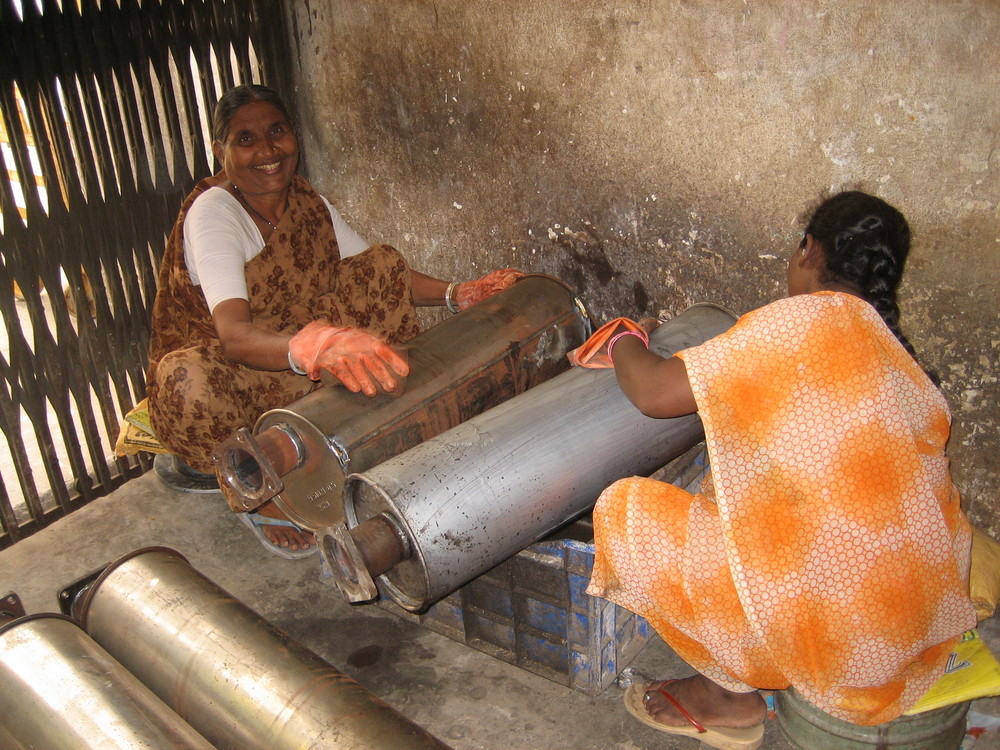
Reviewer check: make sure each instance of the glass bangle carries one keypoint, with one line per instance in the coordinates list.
(448, 302)
(291, 364)
(614, 340)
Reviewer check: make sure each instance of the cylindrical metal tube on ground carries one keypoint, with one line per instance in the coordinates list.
(240, 681)
(60, 689)
(299, 455)
(468, 499)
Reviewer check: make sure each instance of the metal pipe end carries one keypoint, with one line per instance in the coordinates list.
(253, 466)
(84, 598)
(344, 558)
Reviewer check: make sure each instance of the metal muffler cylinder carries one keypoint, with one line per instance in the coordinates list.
(237, 679)
(300, 455)
(60, 689)
(429, 520)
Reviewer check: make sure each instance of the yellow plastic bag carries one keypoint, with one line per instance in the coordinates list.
(984, 576)
(136, 434)
(972, 672)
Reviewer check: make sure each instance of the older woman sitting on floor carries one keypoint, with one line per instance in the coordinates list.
(263, 286)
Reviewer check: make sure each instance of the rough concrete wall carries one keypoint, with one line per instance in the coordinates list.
(659, 153)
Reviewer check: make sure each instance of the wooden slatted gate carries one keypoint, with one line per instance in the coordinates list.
(105, 109)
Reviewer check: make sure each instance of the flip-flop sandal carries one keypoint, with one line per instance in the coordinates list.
(179, 476)
(723, 738)
(254, 521)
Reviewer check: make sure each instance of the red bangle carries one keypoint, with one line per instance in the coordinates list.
(642, 337)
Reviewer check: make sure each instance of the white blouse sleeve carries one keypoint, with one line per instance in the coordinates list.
(348, 241)
(219, 239)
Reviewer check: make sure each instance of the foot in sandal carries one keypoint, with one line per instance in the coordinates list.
(698, 708)
(282, 537)
(285, 536)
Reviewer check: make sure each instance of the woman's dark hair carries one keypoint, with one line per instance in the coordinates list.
(237, 97)
(865, 243)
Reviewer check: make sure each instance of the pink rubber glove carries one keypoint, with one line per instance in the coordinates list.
(361, 361)
(469, 293)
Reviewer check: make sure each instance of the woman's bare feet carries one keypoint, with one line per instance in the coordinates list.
(706, 701)
(284, 536)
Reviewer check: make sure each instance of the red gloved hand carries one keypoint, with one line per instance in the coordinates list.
(361, 361)
(469, 293)
(595, 351)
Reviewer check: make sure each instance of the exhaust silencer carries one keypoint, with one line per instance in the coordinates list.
(433, 518)
(300, 455)
(240, 681)
(60, 689)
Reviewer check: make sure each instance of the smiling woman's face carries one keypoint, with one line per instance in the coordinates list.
(261, 152)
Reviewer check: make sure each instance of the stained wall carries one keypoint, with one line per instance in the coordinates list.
(657, 153)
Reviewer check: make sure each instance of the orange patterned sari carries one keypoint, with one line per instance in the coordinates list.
(828, 549)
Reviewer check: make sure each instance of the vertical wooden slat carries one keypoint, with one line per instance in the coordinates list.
(81, 174)
(110, 99)
(29, 391)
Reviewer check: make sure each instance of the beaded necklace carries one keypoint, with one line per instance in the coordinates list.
(251, 209)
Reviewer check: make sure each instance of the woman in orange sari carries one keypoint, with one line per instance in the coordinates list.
(828, 550)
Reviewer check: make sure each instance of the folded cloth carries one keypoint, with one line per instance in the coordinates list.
(593, 352)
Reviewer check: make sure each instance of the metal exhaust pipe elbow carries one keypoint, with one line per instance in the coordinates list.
(359, 555)
(252, 465)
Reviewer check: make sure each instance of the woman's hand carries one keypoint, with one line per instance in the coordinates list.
(469, 293)
(596, 352)
(361, 361)
(657, 386)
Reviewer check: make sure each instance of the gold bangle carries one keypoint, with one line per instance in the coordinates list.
(448, 302)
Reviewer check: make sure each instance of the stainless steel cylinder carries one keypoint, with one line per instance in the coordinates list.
(240, 681)
(436, 516)
(60, 689)
(300, 455)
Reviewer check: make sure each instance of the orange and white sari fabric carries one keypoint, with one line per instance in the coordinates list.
(828, 550)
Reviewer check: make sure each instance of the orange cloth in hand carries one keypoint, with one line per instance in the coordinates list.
(593, 352)
(361, 361)
(469, 293)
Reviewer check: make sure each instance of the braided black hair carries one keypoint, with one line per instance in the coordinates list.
(865, 243)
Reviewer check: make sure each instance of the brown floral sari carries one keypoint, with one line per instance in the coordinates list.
(197, 398)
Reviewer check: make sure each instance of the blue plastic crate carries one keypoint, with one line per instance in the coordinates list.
(533, 611)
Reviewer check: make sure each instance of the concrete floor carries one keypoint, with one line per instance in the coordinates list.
(467, 699)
